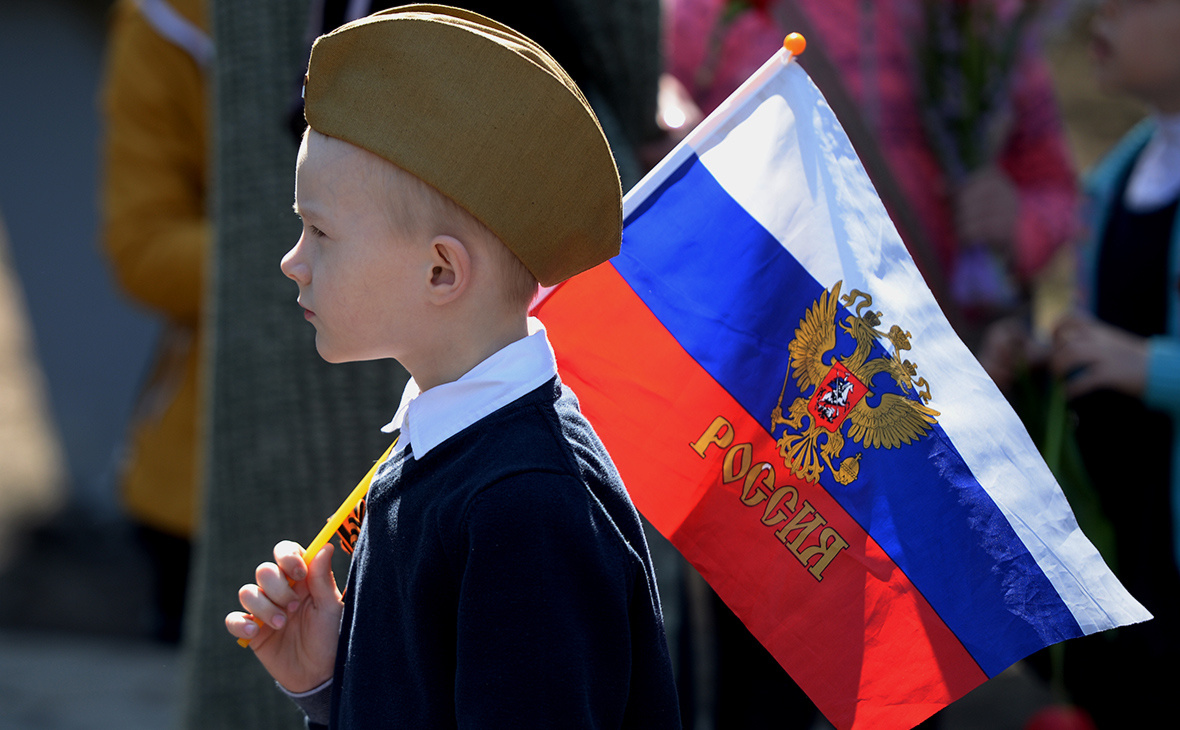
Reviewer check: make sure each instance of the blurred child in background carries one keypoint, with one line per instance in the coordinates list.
(1121, 362)
(156, 233)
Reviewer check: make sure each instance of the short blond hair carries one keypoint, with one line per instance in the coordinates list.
(411, 206)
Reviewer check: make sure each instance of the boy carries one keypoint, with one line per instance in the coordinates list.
(501, 574)
(1121, 361)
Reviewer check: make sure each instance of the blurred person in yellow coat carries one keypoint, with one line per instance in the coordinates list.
(156, 234)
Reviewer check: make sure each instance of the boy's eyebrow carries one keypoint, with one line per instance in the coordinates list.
(304, 213)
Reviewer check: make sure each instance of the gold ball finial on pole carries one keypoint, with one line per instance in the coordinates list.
(795, 43)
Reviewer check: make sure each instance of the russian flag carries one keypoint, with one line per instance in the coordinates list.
(788, 405)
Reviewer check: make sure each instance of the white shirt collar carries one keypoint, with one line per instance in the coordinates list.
(1155, 180)
(427, 419)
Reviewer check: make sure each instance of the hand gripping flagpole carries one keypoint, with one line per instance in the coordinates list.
(336, 520)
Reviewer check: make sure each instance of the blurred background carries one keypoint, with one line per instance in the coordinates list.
(77, 646)
(72, 354)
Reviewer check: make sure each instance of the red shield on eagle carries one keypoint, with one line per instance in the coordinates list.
(835, 397)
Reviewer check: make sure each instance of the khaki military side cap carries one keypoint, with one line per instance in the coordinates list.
(484, 115)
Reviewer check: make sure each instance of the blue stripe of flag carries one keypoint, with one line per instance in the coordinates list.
(733, 296)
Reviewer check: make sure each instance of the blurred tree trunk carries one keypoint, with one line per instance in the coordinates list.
(288, 435)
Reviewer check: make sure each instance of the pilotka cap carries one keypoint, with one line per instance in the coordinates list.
(484, 115)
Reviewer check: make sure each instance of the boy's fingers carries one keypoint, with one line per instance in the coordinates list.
(289, 558)
(241, 625)
(275, 584)
(260, 605)
(321, 583)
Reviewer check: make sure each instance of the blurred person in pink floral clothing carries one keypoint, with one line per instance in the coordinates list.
(1021, 205)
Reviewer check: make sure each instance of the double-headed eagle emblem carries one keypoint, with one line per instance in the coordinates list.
(838, 390)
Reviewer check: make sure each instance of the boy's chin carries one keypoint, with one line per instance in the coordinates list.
(336, 355)
(330, 354)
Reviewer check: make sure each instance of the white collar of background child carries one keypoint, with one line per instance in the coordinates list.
(427, 419)
(1155, 180)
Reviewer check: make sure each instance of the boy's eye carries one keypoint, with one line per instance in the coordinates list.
(315, 231)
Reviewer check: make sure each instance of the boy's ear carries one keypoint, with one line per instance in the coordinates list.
(450, 272)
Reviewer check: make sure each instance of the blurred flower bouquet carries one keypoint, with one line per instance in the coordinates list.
(734, 8)
(731, 10)
(966, 61)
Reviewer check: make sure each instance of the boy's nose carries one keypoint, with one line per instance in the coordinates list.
(294, 267)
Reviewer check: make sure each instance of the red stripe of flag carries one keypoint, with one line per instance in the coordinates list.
(770, 545)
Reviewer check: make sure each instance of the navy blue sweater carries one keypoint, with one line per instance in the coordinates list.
(504, 580)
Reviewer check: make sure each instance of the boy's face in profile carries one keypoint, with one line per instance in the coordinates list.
(1135, 50)
(357, 276)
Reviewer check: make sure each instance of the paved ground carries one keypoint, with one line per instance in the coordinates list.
(74, 652)
(58, 681)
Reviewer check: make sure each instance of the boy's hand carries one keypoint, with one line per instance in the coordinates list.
(1092, 355)
(299, 609)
